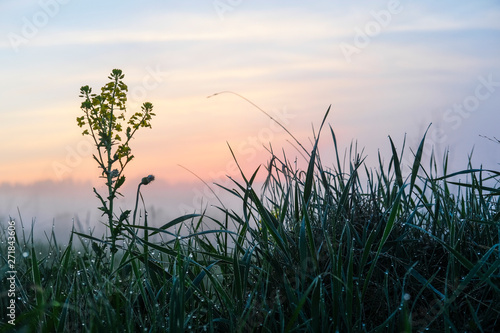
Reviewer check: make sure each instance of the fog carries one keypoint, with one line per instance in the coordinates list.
(65, 205)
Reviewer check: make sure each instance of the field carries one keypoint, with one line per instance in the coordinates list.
(340, 248)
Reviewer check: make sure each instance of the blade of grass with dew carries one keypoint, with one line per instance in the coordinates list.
(64, 312)
(176, 314)
(197, 280)
(385, 235)
(37, 280)
(300, 305)
(474, 271)
(474, 316)
(350, 285)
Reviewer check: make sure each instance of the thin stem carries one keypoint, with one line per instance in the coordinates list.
(136, 202)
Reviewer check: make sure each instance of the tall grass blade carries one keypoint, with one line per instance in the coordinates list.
(397, 165)
(310, 169)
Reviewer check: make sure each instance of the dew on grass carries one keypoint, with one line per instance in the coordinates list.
(25, 254)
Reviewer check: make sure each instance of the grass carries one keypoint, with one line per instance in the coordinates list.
(340, 248)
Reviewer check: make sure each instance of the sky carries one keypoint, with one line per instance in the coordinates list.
(386, 68)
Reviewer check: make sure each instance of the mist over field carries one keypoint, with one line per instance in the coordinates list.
(66, 204)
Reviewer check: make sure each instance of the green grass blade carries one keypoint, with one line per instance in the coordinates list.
(310, 169)
(397, 165)
(300, 305)
(387, 230)
(417, 161)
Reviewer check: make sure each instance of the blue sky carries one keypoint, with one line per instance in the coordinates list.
(425, 62)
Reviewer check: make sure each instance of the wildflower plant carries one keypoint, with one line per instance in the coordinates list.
(104, 120)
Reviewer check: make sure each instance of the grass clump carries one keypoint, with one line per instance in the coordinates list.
(342, 248)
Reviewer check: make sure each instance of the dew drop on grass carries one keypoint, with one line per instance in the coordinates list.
(25, 254)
